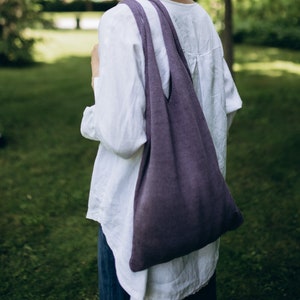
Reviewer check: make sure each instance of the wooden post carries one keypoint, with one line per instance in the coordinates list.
(77, 21)
(227, 37)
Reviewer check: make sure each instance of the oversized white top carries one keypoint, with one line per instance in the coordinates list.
(117, 121)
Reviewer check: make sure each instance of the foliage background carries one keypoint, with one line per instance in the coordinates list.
(261, 22)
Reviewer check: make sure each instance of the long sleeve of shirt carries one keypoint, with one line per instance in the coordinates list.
(117, 117)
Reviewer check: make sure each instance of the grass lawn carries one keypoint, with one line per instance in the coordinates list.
(48, 248)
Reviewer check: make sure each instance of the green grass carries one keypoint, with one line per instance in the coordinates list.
(261, 260)
(48, 248)
(59, 44)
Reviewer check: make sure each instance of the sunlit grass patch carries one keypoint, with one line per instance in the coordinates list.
(273, 69)
(267, 61)
(70, 15)
(55, 44)
(70, 20)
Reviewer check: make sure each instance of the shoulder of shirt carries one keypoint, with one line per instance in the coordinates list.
(117, 14)
(120, 23)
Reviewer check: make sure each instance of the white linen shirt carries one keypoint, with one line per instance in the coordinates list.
(117, 121)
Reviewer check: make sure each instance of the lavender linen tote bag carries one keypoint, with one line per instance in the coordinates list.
(182, 202)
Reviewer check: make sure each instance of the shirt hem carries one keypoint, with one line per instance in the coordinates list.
(93, 217)
(190, 290)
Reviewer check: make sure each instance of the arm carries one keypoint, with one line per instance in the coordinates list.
(87, 127)
(95, 62)
(232, 97)
(117, 118)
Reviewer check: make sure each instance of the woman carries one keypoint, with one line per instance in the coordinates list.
(117, 121)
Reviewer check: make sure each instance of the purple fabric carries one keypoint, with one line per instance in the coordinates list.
(182, 202)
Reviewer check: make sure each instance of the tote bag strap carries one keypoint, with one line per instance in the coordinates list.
(176, 58)
(170, 36)
(151, 66)
(169, 33)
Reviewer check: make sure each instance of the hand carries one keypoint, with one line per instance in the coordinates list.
(95, 62)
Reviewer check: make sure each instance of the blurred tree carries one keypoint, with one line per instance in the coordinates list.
(221, 12)
(77, 5)
(263, 22)
(260, 22)
(88, 5)
(16, 48)
(273, 23)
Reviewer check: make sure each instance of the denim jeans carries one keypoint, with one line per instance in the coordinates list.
(110, 288)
